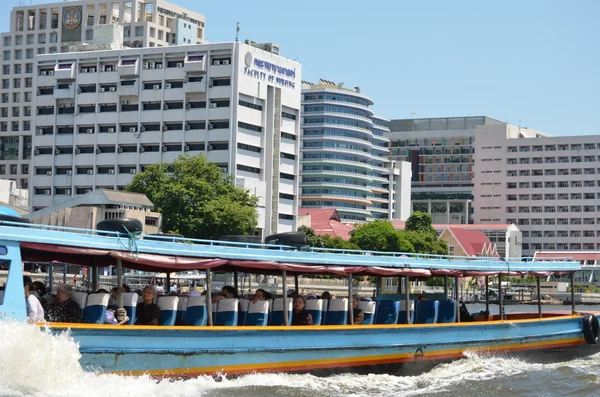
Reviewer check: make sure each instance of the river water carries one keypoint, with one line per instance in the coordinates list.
(34, 363)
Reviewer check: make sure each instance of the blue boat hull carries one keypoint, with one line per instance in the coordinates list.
(192, 351)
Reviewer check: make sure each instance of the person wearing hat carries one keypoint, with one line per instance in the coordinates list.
(311, 296)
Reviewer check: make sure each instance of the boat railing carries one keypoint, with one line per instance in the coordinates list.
(186, 240)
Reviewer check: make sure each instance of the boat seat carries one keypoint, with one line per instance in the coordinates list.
(130, 300)
(315, 308)
(243, 311)
(387, 312)
(96, 308)
(447, 311)
(196, 313)
(168, 309)
(337, 312)
(276, 317)
(368, 309)
(258, 314)
(402, 312)
(81, 299)
(181, 308)
(227, 312)
(426, 312)
(324, 312)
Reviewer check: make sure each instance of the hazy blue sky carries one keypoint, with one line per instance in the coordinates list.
(536, 62)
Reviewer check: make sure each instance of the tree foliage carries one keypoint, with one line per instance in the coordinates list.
(196, 200)
(380, 235)
(419, 222)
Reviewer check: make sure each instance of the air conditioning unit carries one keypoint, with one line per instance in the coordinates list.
(43, 73)
(50, 72)
(186, 79)
(111, 171)
(164, 148)
(186, 148)
(210, 126)
(92, 70)
(166, 107)
(67, 191)
(88, 190)
(142, 128)
(49, 173)
(168, 86)
(188, 127)
(156, 87)
(152, 65)
(210, 83)
(57, 151)
(111, 130)
(142, 150)
(69, 172)
(79, 90)
(188, 106)
(159, 66)
(146, 65)
(102, 68)
(90, 130)
(84, 70)
(61, 105)
(165, 128)
(47, 192)
(36, 152)
(39, 131)
(132, 171)
(132, 129)
(98, 151)
(213, 105)
(112, 89)
(217, 62)
(226, 62)
(124, 102)
(77, 151)
(102, 89)
(120, 150)
(179, 64)
(210, 147)
(90, 172)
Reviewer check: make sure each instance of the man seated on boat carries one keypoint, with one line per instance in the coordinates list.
(359, 315)
(299, 315)
(64, 309)
(148, 312)
(35, 311)
(229, 292)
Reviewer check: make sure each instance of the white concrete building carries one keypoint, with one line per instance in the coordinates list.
(11, 195)
(440, 151)
(102, 116)
(548, 186)
(345, 161)
(53, 27)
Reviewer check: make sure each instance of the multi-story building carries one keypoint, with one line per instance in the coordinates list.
(440, 151)
(345, 161)
(102, 116)
(52, 28)
(548, 186)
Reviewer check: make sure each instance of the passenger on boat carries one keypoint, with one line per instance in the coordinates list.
(35, 311)
(173, 293)
(301, 316)
(64, 309)
(311, 296)
(148, 313)
(327, 295)
(359, 315)
(261, 295)
(125, 288)
(229, 292)
(41, 292)
(109, 316)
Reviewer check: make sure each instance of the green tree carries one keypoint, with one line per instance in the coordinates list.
(338, 243)
(419, 222)
(196, 200)
(311, 238)
(380, 235)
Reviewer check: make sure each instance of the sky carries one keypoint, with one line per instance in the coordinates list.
(534, 63)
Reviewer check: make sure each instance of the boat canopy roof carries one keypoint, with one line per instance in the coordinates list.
(174, 254)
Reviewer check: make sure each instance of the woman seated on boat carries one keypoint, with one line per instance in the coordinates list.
(299, 315)
(359, 315)
(261, 295)
(35, 311)
(327, 295)
(229, 292)
(64, 309)
(41, 292)
(109, 316)
(147, 312)
(311, 296)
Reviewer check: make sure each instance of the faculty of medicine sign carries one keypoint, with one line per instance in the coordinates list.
(269, 72)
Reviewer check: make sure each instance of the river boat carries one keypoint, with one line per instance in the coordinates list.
(399, 340)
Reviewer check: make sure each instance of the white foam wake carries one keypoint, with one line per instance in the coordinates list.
(34, 363)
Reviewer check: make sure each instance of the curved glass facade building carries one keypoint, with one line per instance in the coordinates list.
(344, 160)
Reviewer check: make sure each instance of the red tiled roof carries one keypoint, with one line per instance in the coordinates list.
(476, 226)
(569, 255)
(474, 242)
(326, 221)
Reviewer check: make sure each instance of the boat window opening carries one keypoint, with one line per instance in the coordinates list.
(3, 250)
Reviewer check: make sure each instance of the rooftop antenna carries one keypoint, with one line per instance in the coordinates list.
(237, 31)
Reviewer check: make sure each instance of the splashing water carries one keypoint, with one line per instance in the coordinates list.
(35, 363)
